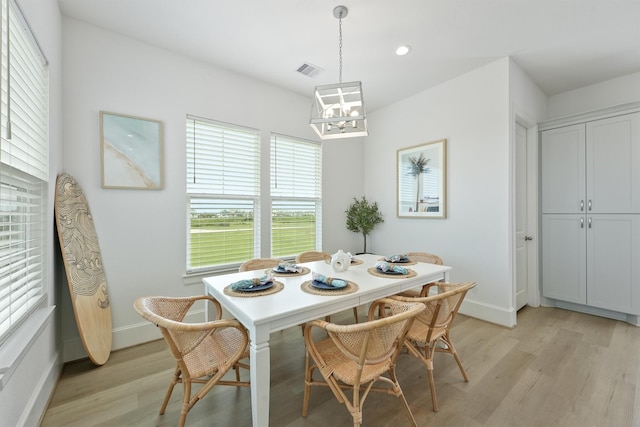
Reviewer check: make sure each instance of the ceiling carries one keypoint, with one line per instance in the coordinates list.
(560, 44)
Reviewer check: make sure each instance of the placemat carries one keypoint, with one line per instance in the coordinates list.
(410, 273)
(410, 262)
(305, 270)
(277, 287)
(349, 289)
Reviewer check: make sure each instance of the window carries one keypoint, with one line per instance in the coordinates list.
(296, 196)
(24, 170)
(223, 191)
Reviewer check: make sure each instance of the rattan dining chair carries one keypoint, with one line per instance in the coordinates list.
(259, 264)
(204, 352)
(421, 257)
(313, 256)
(321, 256)
(425, 257)
(357, 357)
(430, 332)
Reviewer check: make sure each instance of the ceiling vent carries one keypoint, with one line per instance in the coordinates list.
(309, 70)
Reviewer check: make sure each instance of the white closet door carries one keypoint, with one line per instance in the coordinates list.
(613, 165)
(563, 169)
(613, 262)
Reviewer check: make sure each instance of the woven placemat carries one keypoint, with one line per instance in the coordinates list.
(277, 287)
(305, 270)
(410, 262)
(410, 273)
(349, 289)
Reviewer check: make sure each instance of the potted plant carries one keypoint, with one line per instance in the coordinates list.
(362, 217)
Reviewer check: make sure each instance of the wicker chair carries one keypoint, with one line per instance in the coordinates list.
(355, 357)
(313, 256)
(204, 352)
(434, 325)
(259, 264)
(425, 257)
(421, 257)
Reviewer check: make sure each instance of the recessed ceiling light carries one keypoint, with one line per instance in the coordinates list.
(403, 50)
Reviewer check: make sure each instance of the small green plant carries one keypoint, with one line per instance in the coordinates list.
(362, 217)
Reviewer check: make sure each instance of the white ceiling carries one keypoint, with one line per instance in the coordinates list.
(561, 44)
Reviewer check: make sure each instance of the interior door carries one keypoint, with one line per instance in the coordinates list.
(522, 255)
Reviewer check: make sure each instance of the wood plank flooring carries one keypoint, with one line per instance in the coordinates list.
(556, 368)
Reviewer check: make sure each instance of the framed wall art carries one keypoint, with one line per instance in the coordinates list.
(422, 180)
(131, 152)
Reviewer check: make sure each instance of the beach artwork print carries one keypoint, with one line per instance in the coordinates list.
(131, 151)
(422, 180)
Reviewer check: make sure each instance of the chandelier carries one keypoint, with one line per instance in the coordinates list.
(338, 109)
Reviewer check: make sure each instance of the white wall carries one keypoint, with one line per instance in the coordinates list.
(32, 354)
(609, 93)
(142, 233)
(472, 113)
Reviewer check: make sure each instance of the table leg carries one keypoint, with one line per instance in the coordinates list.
(260, 369)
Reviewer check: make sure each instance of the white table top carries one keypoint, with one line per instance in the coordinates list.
(293, 306)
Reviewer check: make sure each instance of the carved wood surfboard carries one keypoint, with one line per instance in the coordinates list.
(83, 265)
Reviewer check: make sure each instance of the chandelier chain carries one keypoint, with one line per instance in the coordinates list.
(340, 46)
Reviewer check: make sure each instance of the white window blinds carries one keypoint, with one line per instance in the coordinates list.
(296, 196)
(24, 169)
(223, 188)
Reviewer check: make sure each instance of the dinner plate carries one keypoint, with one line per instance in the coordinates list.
(404, 261)
(256, 288)
(389, 272)
(283, 271)
(321, 285)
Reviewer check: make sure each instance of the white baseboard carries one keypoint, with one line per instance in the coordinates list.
(489, 313)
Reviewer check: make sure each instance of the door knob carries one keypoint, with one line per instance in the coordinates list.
(528, 238)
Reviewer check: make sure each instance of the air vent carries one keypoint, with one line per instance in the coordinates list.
(309, 69)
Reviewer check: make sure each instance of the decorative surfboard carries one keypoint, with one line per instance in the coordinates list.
(83, 265)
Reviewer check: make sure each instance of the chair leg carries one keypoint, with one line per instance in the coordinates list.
(186, 404)
(167, 396)
(432, 383)
(398, 390)
(452, 350)
(355, 313)
(307, 385)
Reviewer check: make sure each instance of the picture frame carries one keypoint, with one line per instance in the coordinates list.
(131, 152)
(421, 180)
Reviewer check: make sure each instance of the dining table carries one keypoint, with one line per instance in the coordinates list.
(294, 299)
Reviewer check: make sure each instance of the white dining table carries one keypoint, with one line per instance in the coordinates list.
(292, 306)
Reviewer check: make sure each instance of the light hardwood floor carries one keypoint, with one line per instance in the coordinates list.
(556, 368)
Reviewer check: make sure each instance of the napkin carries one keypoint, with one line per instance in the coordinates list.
(289, 267)
(336, 283)
(386, 267)
(397, 258)
(251, 283)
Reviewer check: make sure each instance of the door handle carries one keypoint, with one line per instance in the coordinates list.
(581, 222)
(581, 205)
(528, 238)
(589, 222)
(589, 204)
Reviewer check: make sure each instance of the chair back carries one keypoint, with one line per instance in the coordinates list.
(378, 340)
(313, 256)
(442, 307)
(259, 264)
(191, 344)
(425, 257)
